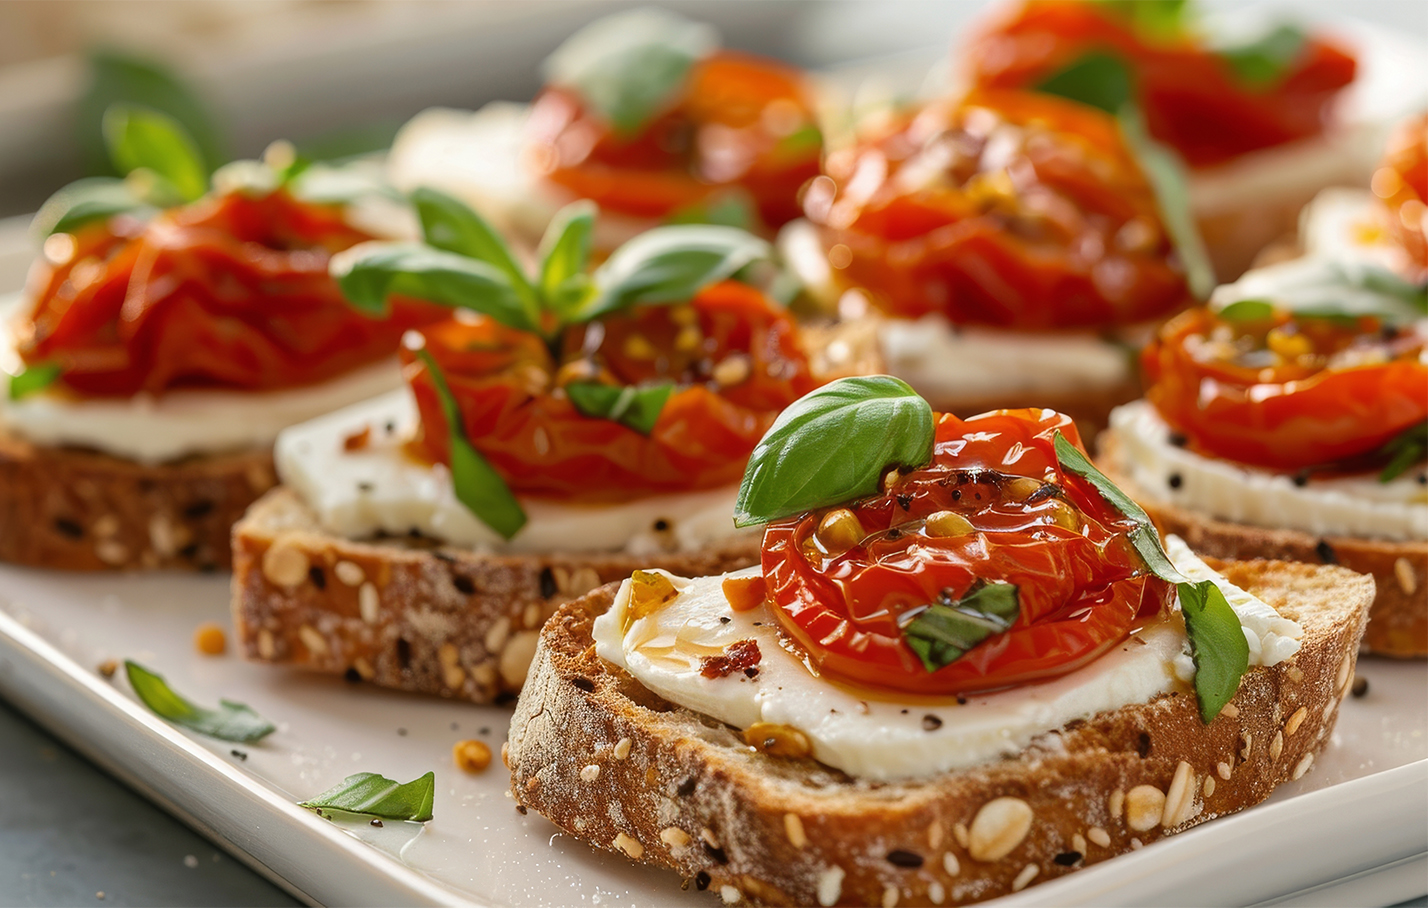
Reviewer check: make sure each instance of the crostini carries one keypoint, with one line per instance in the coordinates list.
(559, 431)
(965, 665)
(169, 330)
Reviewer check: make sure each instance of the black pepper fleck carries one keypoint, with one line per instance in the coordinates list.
(1360, 686)
(377, 822)
(661, 525)
(956, 494)
(751, 672)
(443, 556)
(1423, 479)
(894, 533)
(391, 427)
(483, 730)
(198, 509)
(402, 732)
(1301, 479)
(716, 854)
(1174, 481)
(463, 584)
(1142, 745)
(583, 683)
(1067, 858)
(931, 722)
(686, 788)
(318, 578)
(725, 619)
(904, 501)
(521, 809)
(68, 527)
(239, 754)
(899, 858)
(1178, 439)
(961, 701)
(365, 487)
(1326, 552)
(404, 654)
(455, 726)
(547, 583)
(352, 676)
(188, 551)
(701, 881)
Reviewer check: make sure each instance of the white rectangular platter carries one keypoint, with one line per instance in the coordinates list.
(1361, 813)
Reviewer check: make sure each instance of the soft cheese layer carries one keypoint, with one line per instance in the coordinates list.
(885, 739)
(179, 424)
(379, 488)
(1342, 506)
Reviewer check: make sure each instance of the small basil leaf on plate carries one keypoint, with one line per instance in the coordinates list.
(1264, 62)
(1404, 450)
(1166, 174)
(1150, 18)
(942, 632)
(671, 265)
(630, 67)
(450, 224)
(834, 445)
(636, 408)
(565, 255)
(141, 139)
(370, 273)
(475, 482)
(1217, 644)
(1099, 79)
(372, 795)
(1143, 536)
(84, 201)
(1247, 311)
(230, 722)
(33, 379)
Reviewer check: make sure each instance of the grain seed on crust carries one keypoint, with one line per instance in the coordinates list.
(793, 828)
(368, 602)
(1078, 843)
(1180, 797)
(998, 828)
(1023, 879)
(311, 639)
(285, 564)
(1144, 806)
(349, 573)
(951, 864)
(1098, 836)
(622, 748)
(630, 846)
(1405, 575)
(1115, 805)
(1276, 747)
(890, 897)
(590, 772)
(959, 834)
(830, 886)
(1295, 721)
(1209, 786)
(1230, 711)
(674, 838)
(1302, 766)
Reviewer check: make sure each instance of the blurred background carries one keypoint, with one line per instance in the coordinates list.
(337, 77)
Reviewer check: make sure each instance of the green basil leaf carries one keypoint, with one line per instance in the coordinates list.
(806, 141)
(1324, 288)
(834, 445)
(475, 481)
(230, 722)
(1143, 537)
(631, 66)
(1098, 79)
(730, 209)
(85, 201)
(635, 408)
(1248, 311)
(1157, 19)
(564, 257)
(143, 139)
(1404, 450)
(1166, 173)
(671, 265)
(1217, 644)
(33, 379)
(942, 632)
(324, 183)
(451, 225)
(1266, 61)
(370, 273)
(372, 795)
(116, 77)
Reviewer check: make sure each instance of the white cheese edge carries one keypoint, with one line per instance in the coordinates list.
(886, 739)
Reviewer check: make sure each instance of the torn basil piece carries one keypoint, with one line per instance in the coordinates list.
(1264, 62)
(636, 408)
(370, 794)
(34, 379)
(230, 722)
(941, 633)
(1099, 79)
(141, 139)
(1166, 173)
(1404, 450)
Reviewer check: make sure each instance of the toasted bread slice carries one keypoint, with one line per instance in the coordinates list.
(78, 510)
(410, 613)
(677, 789)
(1398, 621)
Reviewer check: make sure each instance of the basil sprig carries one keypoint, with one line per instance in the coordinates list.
(1404, 450)
(145, 141)
(475, 482)
(1155, 19)
(33, 379)
(1325, 288)
(1217, 640)
(635, 408)
(230, 722)
(834, 445)
(1263, 62)
(372, 795)
(941, 633)
(629, 68)
(1105, 81)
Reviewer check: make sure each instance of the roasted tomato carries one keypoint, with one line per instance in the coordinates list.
(1287, 393)
(992, 505)
(1190, 94)
(742, 124)
(1402, 183)
(1010, 209)
(229, 292)
(732, 354)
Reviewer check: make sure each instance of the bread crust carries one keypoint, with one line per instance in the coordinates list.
(410, 613)
(80, 510)
(1398, 621)
(682, 791)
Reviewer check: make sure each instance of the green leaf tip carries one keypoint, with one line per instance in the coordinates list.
(370, 794)
(230, 722)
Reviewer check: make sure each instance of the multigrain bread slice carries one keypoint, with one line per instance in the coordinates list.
(410, 613)
(79, 510)
(612, 763)
(1398, 621)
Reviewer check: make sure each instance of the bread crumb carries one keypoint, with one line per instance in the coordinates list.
(209, 639)
(107, 668)
(471, 755)
(1231, 711)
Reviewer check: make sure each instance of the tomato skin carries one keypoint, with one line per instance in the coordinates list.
(508, 386)
(1009, 209)
(1402, 183)
(1296, 415)
(1081, 591)
(229, 292)
(724, 134)
(1191, 97)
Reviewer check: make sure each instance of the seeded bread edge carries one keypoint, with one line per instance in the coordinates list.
(611, 763)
